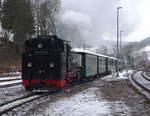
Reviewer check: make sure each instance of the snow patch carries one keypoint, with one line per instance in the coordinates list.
(122, 76)
(146, 49)
(85, 103)
(12, 73)
(78, 50)
(15, 103)
(10, 82)
(8, 78)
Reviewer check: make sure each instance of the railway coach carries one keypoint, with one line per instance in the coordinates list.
(94, 65)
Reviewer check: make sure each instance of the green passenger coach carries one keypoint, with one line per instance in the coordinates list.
(94, 64)
(90, 65)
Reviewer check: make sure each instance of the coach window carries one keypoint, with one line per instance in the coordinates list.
(90, 60)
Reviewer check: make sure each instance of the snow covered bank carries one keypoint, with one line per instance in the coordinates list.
(85, 103)
(89, 103)
(122, 76)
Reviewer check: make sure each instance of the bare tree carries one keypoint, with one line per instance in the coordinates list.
(5, 34)
(104, 50)
(45, 12)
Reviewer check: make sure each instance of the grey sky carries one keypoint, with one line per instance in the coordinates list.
(97, 18)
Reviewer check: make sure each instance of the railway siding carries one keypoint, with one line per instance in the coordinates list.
(18, 102)
(10, 74)
(10, 81)
(146, 76)
(141, 82)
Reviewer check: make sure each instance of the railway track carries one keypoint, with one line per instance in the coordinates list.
(144, 76)
(9, 82)
(32, 98)
(10, 105)
(141, 82)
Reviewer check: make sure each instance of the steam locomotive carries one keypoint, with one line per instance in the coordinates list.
(49, 63)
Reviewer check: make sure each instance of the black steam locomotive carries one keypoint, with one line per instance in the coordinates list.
(48, 63)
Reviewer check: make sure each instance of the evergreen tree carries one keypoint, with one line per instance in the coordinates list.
(0, 10)
(17, 18)
(0, 2)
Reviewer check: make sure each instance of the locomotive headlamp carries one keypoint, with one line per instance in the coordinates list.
(40, 45)
(51, 65)
(39, 71)
(29, 64)
(30, 54)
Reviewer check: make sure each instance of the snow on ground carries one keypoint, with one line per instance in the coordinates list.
(8, 78)
(88, 103)
(10, 93)
(85, 103)
(122, 76)
(12, 73)
(10, 82)
(15, 103)
(19, 73)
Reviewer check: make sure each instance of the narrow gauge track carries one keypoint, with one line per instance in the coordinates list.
(9, 82)
(138, 83)
(10, 105)
(10, 75)
(18, 102)
(10, 85)
(145, 77)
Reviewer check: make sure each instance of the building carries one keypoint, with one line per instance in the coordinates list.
(141, 57)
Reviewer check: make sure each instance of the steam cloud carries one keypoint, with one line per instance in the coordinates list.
(96, 19)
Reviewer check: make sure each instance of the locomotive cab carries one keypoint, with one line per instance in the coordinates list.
(44, 63)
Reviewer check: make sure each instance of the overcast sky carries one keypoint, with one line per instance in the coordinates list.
(97, 18)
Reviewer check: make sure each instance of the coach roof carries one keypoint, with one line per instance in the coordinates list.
(77, 50)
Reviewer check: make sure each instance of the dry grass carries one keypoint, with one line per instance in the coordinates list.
(10, 65)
